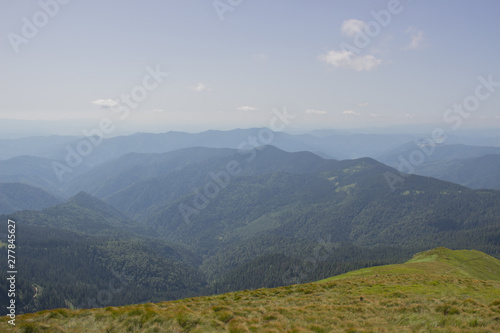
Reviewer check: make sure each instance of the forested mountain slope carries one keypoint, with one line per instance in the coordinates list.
(225, 220)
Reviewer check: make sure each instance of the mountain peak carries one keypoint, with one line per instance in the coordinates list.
(82, 197)
(85, 200)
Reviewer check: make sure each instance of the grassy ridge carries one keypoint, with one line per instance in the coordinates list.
(439, 261)
(437, 291)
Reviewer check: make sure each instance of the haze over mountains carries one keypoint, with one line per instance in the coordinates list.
(222, 211)
(31, 160)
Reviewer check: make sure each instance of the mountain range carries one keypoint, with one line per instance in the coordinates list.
(52, 163)
(199, 221)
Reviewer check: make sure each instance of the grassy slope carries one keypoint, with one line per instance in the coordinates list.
(437, 291)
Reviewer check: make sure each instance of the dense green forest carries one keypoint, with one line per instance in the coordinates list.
(80, 271)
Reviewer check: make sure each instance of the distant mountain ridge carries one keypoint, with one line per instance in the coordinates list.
(339, 146)
(38, 170)
(179, 182)
(472, 166)
(17, 196)
(477, 173)
(440, 152)
(81, 213)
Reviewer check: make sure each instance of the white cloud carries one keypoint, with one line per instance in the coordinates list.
(409, 116)
(246, 108)
(347, 59)
(312, 111)
(105, 103)
(352, 27)
(373, 115)
(158, 110)
(417, 38)
(363, 104)
(350, 113)
(201, 87)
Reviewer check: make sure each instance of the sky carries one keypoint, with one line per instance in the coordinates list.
(194, 65)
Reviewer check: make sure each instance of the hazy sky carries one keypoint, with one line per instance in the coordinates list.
(333, 64)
